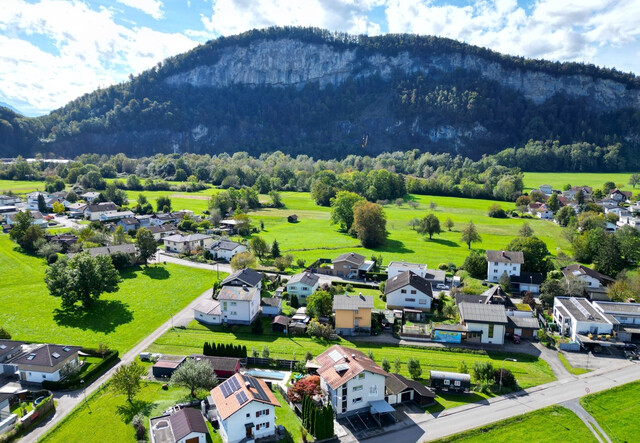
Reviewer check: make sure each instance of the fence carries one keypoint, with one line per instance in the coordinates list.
(284, 364)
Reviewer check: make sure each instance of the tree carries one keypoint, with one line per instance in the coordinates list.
(32, 238)
(243, 260)
(496, 211)
(386, 366)
(282, 263)
(147, 245)
(535, 253)
(433, 205)
(505, 282)
(470, 235)
(126, 380)
(82, 278)
(413, 366)
(369, 224)
(608, 187)
(342, 209)
(319, 304)
(523, 200)
(195, 374)
(563, 216)
(525, 230)
(609, 259)
(397, 364)
(4, 334)
(162, 203)
(22, 221)
(550, 289)
(307, 386)
(476, 265)
(265, 352)
(256, 326)
(553, 203)
(324, 187)
(629, 240)
(275, 249)
(58, 208)
(448, 223)
(259, 247)
(276, 199)
(42, 206)
(429, 225)
(119, 235)
(634, 180)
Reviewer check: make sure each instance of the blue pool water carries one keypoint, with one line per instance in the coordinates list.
(265, 374)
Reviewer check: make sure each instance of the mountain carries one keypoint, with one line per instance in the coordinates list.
(7, 105)
(310, 91)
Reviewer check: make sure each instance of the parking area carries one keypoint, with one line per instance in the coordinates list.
(593, 361)
(363, 425)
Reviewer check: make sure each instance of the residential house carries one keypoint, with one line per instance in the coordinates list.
(64, 240)
(126, 248)
(208, 311)
(526, 282)
(436, 277)
(352, 381)
(577, 318)
(36, 217)
(230, 226)
(94, 211)
(185, 426)
(244, 277)
(620, 196)
(499, 262)
(182, 244)
(398, 267)
(116, 215)
(303, 285)
(240, 304)
(626, 314)
(9, 200)
(635, 207)
(271, 306)
(399, 389)
(349, 265)
(128, 223)
(546, 189)
(44, 362)
(521, 321)
(89, 197)
(540, 210)
(408, 290)
(352, 313)
(245, 409)
(492, 296)
(594, 282)
(224, 367)
(620, 212)
(634, 222)
(162, 231)
(8, 350)
(169, 218)
(144, 221)
(76, 210)
(226, 249)
(485, 323)
(571, 194)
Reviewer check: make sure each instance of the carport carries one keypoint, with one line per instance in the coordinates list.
(378, 408)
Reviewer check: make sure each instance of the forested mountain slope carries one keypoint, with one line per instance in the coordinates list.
(309, 91)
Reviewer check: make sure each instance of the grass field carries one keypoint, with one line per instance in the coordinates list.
(616, 410)
(20, 186)
(108, 414)
(146, 299)
(568, 367)
(529, 370)
(559, 179)
(552, 424)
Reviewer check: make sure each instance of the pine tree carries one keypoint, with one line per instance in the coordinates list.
(275, 249)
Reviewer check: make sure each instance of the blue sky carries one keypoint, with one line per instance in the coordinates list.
(52, 51)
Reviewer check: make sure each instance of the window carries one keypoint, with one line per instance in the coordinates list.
(495, 271)
(403, 291)
(495, 263)
(410, 300)
(373, 390)
(447, 382)
(413, 291)
(262, 412)
(248, 414)
(304, 288)
(361, 375)
(490, 335)
(233, 303)
(514, 268)
(357, 388)
(357, 400)
(456, 383)
(422, 301)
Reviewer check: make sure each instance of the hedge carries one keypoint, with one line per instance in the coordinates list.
(354, 285)
(377, 276)
(93, 373)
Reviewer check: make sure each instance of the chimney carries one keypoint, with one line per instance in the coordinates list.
(503, 253)
(247, 384)
(353, 356)
(244, 287)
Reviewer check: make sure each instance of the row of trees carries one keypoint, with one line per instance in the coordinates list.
(317, 420)
(224, 350)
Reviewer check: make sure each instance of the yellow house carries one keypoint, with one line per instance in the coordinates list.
(352, 312)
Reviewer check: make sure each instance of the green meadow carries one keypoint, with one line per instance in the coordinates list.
(616, 411)
(148, 296)
(558, 180)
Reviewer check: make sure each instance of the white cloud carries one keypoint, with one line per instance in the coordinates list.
(91, 50)
(151, 7)
(235, 16)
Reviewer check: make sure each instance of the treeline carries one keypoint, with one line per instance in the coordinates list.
(224, 350)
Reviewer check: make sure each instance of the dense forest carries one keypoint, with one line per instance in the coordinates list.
(459, 111)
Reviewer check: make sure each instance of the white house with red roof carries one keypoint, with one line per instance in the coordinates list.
(245, 408)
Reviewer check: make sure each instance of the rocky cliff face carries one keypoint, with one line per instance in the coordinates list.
(288, 62)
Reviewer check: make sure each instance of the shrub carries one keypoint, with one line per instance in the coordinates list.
(309, 386)
(443, 267)
(294, 301)
(496, 211)
(483, 372)
(508, 379)
(413, 366)
(348, 287)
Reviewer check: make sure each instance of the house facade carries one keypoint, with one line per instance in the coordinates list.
(577, 318)
(303, 285)
(45, 362)
(93, 212)
(626, 314)
(408, 290)
(245, 408)
(398, 267)
(239, 304)
(184, 243)
(226, 249)
(350, 265)
(485, 323)
(208, 311)
(500, 262)
(352, 313)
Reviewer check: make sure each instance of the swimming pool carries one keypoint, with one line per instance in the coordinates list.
(266, 374)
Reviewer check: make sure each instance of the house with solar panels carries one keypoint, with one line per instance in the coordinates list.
(245, 409)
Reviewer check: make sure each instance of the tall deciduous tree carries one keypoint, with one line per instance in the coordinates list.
(342, 209)
(126, 380)
(195, 374)
(534, 250)
(448, 223)
(470, 235)
(369, 224)
(259, 247)
(147, 245)
(319, 304)
(163, 204)
(429, 225)
(82, 278)
(243, 260)
(118, 235)
(634, 180)
(553, 203)
(525, 230)
(609, 259)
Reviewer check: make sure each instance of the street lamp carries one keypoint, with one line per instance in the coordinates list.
(501, 368)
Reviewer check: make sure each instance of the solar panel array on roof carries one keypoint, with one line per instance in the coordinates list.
(335, 355)
(234, 384)
(229, 387)
(259, 392)
(242, 398)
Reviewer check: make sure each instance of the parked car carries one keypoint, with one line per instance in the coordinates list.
(441, 286)
(352, 275)
(516, 339)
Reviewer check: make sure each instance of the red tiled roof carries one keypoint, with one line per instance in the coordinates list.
(254, 388)
(355, 361)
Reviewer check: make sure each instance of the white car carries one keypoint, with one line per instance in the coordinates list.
(441, 286)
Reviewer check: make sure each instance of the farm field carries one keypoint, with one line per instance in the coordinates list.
(616, 411)
(551, 424)
(559, 179)
(147, 298)
(20, 186)
(529, 370)
(108, 413)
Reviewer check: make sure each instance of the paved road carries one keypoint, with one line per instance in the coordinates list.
(590, 422)
(68, 401)
(453, 421)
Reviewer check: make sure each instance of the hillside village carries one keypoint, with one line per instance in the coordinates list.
(500, 307)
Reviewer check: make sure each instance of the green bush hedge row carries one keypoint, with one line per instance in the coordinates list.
(94, 372)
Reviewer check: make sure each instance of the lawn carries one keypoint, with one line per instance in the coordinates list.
(314, 236)
(532, 180)
(616, 410)
(529, 370)
(551, 424)
(108, 414)
(287, 418)
(21, 186)
(147, 298)
(568, 367)
(447, 401)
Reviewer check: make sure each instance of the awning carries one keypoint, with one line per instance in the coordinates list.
(381, 407)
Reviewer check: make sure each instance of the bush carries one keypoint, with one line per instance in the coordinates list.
(496, 211)
(508, 379)
(483, 372)
(413, 366)
(294, 301)
(443, 267)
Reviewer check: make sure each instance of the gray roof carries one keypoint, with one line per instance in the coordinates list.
(535, 278)
(101, 207)
(245, 276)
(442, 375)
(408, 278)
(406, 265)
(186, 421)
(352, 302)
(162, 228)
(505, 256)
(127, 248)
(271, 301)
(130, 221)
(435, 275)
(577, 270)
(7, 346)
(225, 245)
(610, 307)
(209, 306)
(238, 293)
(178, 238)
(481, 313)
(580, 309)
(306, 278)
(393, 384)
(351, 257)
(47, 355)
(523, 322)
